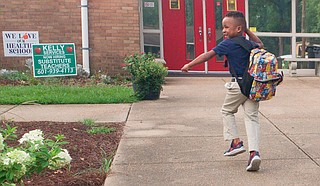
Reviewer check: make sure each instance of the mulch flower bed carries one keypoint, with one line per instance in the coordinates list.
(86, 150)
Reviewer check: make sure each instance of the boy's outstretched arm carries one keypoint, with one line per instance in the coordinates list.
(254, 38)
(200, 59)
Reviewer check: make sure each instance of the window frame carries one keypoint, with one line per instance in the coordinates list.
(293, 34)
(151, 31)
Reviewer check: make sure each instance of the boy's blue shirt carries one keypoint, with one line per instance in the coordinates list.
(237, 56)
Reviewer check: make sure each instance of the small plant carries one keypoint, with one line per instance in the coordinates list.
(33, 154)
(24, 78)
(96, 130)
(88, 122)
(285, 65)
(14, 75)
(106, 162)
(148, 76)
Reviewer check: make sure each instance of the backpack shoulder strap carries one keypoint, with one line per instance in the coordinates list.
(243, 43)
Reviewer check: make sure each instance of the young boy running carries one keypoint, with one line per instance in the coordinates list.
(234, 25)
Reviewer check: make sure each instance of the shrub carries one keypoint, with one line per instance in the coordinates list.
(148, 76)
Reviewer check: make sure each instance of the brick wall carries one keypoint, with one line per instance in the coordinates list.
(113, 29)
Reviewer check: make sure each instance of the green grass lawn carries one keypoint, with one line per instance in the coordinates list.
(62, 94)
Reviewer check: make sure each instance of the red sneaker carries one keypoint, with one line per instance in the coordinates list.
(235, 149)
(254, 161)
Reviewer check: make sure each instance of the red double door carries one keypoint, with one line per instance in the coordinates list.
(191, 27)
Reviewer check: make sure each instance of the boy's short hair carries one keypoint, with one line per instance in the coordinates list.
(238, 16)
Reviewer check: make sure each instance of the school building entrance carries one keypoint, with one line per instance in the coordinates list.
(180, 30)
(190, 27)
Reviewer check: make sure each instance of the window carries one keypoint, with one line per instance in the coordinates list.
(232, 5)
(190, 30)
(151, 35)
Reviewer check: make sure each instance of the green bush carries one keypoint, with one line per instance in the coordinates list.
(148, 76)
(15, 76)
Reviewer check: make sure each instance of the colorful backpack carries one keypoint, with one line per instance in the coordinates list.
(263, 68)
(261, 77)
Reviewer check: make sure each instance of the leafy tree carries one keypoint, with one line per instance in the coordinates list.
(313, 19)
(266, 16)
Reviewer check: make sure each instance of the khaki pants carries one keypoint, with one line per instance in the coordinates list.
(233, 100)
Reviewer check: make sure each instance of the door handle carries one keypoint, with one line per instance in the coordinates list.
(209, 34)
(200, 33)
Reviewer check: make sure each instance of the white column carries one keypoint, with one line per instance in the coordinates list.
(85, 36)
(205, 44)
(161, 30)
(293, 28)
(246, 7)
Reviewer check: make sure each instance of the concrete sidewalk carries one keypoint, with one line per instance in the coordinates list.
(100, 113)
(177, 140)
